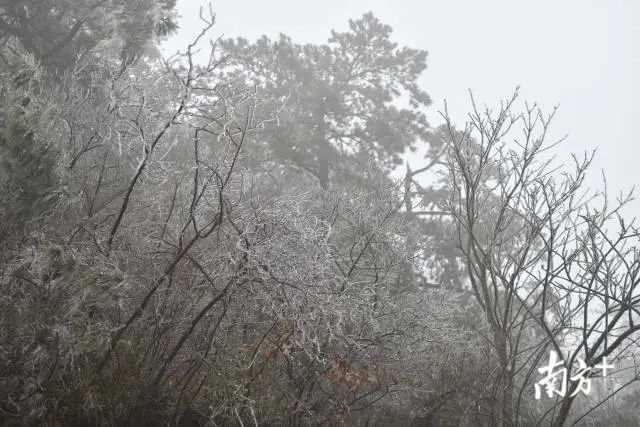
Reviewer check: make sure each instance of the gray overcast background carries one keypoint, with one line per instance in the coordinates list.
(583, 55)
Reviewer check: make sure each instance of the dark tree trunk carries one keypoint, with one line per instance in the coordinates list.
(565, 406)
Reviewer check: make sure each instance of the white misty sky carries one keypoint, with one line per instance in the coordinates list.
(583, 55)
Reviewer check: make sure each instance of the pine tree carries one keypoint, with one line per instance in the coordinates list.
(343, 98)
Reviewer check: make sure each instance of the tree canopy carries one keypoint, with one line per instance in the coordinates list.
(342, 97)
(56, 32)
